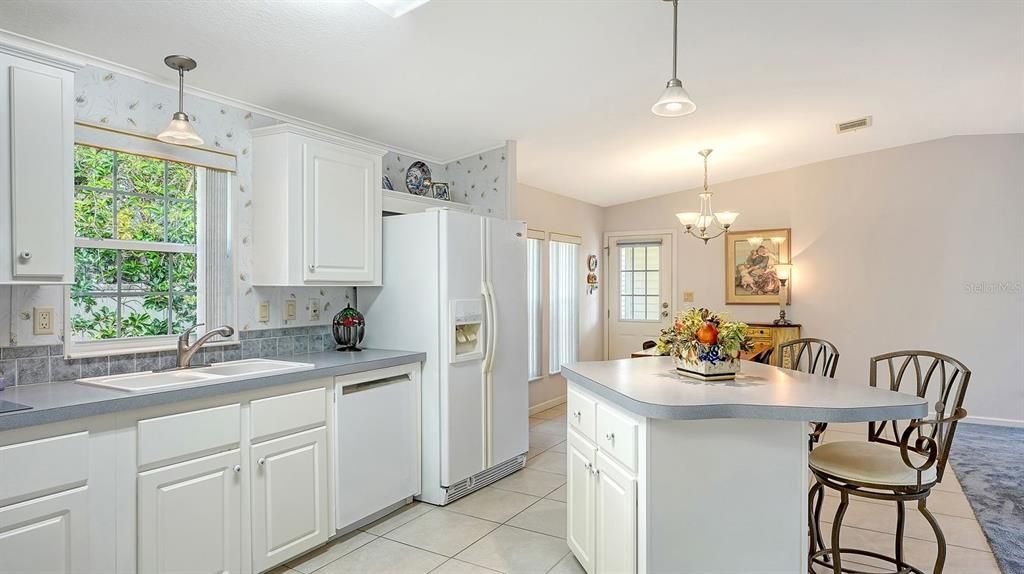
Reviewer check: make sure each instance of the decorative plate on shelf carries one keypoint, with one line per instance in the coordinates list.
(417, 179)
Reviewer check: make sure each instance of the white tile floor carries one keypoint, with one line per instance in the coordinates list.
(518, 525)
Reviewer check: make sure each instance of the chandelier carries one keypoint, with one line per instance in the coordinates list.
(706, 224)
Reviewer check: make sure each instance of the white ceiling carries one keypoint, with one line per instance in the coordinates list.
(573, 80)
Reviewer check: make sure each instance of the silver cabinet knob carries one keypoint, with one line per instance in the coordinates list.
(312, 267)
(576, 415)
(238, 468)
(610, 437)
(25, 255)
(589, 467)
(261, 461)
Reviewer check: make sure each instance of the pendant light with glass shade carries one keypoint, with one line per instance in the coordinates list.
(180, 131)
(706, 224)
(674, 101)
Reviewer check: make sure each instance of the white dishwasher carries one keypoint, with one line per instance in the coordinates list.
(378, 446)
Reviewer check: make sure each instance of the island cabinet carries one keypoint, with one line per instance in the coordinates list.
(36, 169)
(602, 492)
(316, 208)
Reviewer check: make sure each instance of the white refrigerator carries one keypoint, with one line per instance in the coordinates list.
(455, 288)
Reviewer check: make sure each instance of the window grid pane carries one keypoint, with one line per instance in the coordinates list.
(133, 293)
(639, 282)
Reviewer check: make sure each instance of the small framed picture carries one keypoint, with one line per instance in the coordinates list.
(440, 191)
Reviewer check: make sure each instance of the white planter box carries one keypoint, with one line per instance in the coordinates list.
(720, 371)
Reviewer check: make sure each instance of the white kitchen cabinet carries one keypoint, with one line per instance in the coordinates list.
(615, 533)
(581, 502)
(190, 516)
(317, 209)
(50, 535)
(289, 497)
(36, 170)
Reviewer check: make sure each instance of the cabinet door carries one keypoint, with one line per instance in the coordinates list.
(616, 518)
(580, 497)
(341, 214)
(289, 497)
(189, 516)
(46, 535)
(41, 173)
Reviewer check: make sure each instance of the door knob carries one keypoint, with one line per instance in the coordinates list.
(664, 313)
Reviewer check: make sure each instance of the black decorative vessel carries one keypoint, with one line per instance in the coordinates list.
(348, 329)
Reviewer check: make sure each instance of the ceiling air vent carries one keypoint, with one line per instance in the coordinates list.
(853, 125)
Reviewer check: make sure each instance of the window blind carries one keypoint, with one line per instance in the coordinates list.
(534, 302)
(564, 304)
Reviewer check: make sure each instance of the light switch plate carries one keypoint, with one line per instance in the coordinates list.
(314, 309)
(42, 320)
(264, 311)
(289, 309)
(687, 296)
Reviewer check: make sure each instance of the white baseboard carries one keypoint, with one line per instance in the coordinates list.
(538, 408)
(994, 422)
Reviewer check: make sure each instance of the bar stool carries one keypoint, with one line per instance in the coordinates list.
(893, 465)
(814, 356)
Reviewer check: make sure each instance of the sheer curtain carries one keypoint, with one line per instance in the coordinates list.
(563, 279)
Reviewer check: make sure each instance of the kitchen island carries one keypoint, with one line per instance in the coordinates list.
(673, 474)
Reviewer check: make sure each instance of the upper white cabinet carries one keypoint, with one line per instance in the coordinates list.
(36, 171)
(317, 209)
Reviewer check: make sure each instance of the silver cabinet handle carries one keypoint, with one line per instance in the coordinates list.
(262, 461)
(26, 255)
(610, 437)
(238, 468)
(312, 267)
(576, 415)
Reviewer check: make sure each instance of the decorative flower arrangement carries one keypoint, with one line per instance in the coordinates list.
(705, 344)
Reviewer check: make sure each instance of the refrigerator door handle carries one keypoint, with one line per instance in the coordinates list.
(489, 316)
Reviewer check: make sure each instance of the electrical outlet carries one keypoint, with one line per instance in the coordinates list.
(264, 311)
(42, 320)
(314, 309)
(289, 309)
(687, 296)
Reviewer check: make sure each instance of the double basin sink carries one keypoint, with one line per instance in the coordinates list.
(216, 373)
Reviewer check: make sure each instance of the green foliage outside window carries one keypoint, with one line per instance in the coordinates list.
(121, 292)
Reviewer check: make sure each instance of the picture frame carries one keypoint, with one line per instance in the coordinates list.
(440, 191)
(750, 257)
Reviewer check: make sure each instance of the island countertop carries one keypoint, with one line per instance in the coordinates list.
(650, 387)
(53, 402)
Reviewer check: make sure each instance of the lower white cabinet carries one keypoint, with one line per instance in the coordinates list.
(289, 497)
(190, 516)
(48, 535)
(602, 509)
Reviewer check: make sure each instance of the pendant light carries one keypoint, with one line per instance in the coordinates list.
(180, 131)
(674, 101)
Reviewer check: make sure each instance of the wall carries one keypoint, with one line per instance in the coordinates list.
(546, 211)
(106, 98)
(915, 247)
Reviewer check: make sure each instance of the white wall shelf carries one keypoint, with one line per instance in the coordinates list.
(402, 202)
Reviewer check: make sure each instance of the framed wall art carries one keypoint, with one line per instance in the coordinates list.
(750, 259)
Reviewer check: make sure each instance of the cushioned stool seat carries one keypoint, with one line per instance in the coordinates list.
(869, 462)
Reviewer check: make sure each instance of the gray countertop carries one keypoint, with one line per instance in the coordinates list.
(53, 402)
(651, 388)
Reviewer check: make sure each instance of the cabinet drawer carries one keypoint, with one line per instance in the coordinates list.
(581, 411)
(192, 433)
(43, 466)
(616, 436)
(288, 413)
(759, 332)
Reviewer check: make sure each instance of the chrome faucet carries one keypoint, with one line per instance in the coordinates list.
(186, 351)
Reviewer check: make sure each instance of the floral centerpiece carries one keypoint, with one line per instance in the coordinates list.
(704, 345)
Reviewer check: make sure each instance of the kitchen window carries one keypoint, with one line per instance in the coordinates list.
(535, 302)
(563, 276)
(639, 281)
(151, 252)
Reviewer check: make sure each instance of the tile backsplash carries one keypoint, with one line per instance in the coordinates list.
(46, 363)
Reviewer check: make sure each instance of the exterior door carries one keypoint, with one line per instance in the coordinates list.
(190, 516)
(639, 291)
(580, 499)
(341, 211)
(616, 518)
(289, 497)
(507, 385)
(47, 535)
